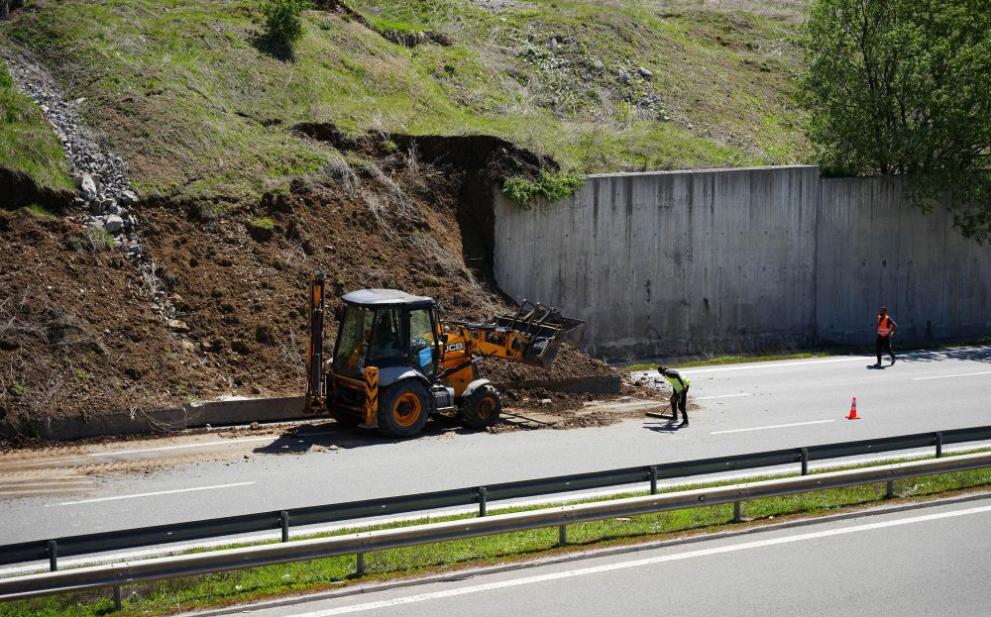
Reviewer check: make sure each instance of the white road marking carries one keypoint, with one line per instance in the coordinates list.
(201, 444)
(709, 398)
(761, 428)
(637, 563)
(949, 376)
(172, 492)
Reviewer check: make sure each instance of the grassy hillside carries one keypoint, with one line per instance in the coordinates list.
(27, 143)
(189, 93)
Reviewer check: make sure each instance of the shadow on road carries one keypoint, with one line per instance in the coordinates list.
(664, 427)
(973, 354)
(332, 435)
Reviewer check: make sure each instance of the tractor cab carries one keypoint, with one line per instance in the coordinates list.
(384, 369)
(387, 329)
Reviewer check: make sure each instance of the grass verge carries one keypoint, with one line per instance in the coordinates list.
(824, 353)
(27, 143)
(729, 359)
(167, 597)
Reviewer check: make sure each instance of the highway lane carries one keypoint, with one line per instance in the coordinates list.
(930, 561)
(783, 404)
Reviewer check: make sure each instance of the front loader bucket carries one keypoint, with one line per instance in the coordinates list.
(546, 328)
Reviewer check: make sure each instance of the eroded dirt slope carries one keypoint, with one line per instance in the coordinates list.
(78, 335)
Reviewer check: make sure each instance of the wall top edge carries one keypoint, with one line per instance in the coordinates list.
(710, 170)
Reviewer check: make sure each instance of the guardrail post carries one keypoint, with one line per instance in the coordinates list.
(52, 555)
(805, 461)
(653, 479)
(562, 535)
(284, 519)
(360, 565)
(737, 517)
(482, 496)
(889, 489)
(939, 445)
(117, 602)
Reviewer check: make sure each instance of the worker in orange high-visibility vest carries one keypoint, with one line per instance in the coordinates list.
(885, 332)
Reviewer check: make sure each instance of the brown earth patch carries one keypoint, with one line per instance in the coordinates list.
(78, 336)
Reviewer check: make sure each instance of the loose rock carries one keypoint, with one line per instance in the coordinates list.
(113, 223)
(88, 187)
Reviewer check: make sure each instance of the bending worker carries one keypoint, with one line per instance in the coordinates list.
(885, 332)
(679, 400)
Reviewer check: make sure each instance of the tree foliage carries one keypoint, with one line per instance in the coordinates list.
(904, 87)
(283, 25)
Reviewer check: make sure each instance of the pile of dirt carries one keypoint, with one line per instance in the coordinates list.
(78, 335)
(570, 367)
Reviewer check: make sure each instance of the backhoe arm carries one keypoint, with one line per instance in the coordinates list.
(532, 335)
(314, 347)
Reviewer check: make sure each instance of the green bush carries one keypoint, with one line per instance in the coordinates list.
(282, 20)
(550, 186)
(40, 212)
(263, 223)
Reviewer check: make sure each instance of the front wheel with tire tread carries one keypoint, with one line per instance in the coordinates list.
(482, 407)
(403, 408)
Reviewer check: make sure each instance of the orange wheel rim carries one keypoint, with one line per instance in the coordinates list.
(407, 409)
(486, 407)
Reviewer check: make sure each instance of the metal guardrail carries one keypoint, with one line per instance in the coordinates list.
(118, 574)
(68, 546)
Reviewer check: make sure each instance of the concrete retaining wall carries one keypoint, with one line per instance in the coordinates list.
(671, 263)
(873, 248)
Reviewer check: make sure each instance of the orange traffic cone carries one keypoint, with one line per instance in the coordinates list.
(853, 410)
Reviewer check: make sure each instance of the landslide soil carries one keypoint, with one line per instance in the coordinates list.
(78, 336)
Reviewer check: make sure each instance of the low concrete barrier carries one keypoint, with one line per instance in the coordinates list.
(192, 415)
(223, 413)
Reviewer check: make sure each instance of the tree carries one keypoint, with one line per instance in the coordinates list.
(282, 20)
(903, 87)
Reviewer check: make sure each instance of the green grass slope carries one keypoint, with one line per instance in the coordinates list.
(188, 93)
(27, 143)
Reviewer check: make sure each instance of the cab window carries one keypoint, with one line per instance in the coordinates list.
(422, 340)
(387, 337)
(352, 343)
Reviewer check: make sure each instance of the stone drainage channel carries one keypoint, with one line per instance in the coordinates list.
(105, 194)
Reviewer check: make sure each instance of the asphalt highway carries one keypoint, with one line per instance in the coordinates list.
(744, 408)
(928, 561)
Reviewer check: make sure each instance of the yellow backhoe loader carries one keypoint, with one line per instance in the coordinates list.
(395, 361)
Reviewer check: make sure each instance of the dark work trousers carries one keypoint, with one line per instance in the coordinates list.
(882, 344)
(679, 400)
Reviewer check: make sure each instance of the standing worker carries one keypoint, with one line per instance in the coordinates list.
(885, 332)
(679, 400)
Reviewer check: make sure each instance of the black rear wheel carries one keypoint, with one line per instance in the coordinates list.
(403, 408)
(482, 407)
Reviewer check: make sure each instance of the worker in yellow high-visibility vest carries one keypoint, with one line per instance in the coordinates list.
(679, 400)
